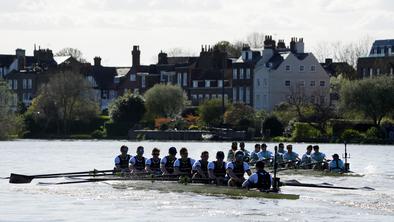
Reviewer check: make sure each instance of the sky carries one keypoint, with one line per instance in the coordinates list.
(109, 28)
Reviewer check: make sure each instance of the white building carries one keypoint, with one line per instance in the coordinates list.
(284, 73)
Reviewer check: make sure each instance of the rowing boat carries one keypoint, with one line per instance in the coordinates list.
(318, 173)
(198, 188)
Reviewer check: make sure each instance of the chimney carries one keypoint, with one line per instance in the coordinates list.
(269, 43)
(328, 61)
(162, 58)
(21, 57)
(97, 61)
(136, 55)
(281, 44)
(300, 45)
(293, 45)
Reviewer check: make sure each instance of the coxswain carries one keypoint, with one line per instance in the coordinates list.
(290, 157)
(137, 163)
(261, 179)
(306, 159)
(319, 158)
(167, 162)
(246, 152)
(254, 155)
(236, 170)
(265, 154)
(200, 167)
(336, 165)
(217, 169)
(152, 165)
(231, 152)
(122, 160)
(183, 166)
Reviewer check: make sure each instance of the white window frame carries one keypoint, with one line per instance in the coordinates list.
(288, 68)
(207, 83)
(235, 73)
(302, 83)
(29, 83)
(133, 77)
(313, 68)
(247, 73)
(235, 92)
(241, 73)
(302, 68)
(184, 79)
(241, 94)
(15, 84)
(10, 82)
(195, 83)
(391, 71)
(371, 72)
(313, 83)
(377, 71)
(220, 83)
(247, 95)
(287, 83)
(322, 83)
(179, 78)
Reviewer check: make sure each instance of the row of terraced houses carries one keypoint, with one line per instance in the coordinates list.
(262, 78)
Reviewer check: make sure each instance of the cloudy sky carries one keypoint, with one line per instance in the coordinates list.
(109, 28)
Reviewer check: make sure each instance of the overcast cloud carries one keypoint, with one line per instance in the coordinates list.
(109, 28)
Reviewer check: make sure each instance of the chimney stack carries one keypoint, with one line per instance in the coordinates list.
(162, 58)
(21, 57)
(97, 61)
(136, 56)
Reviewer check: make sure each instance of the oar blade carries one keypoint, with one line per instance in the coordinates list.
(19, 178)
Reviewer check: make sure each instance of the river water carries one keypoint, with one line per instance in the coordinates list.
(101, 202)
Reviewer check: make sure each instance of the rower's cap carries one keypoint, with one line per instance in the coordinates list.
(220, 155)
(172, 151)
(239, 153)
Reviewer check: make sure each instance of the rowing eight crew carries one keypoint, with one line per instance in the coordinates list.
(231, 173)
(315, 160)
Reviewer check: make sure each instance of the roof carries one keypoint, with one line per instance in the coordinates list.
(6, 60)
(61, 59)
(383, 42)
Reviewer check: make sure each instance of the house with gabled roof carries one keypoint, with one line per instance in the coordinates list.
(288, 72)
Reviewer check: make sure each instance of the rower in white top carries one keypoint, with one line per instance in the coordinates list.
(200, 167)
(217, 169)
(261, 179)
(336, 165)
(183, 166)
(137, 163)
(152, 165)
(122, 160)
(236, 170)
(306, 160)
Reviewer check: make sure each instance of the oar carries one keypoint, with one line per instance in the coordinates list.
(295, 183)
(95, 180)
(19, 178)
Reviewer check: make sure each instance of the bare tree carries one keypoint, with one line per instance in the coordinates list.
(73, 52)
(255, 40)
(177, 51)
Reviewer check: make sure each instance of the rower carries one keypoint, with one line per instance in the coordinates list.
(319, 158)
(236, 170)
(231, 152)
(152, 165)
(306, 159)
(200, 167)
(265, 154)
(336, 165)
(137, 163)
(281, 152)
(254, 155)
(261, 179)
(217, 169)
(246, 152)
(291, 157)
(183, 165)
(122, 160)
(167, 162)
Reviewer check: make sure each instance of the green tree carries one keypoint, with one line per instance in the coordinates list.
(272, 127)
(232, 49)
(374, 98)
(128, 108)
(211, 112)
(65, 98)
(8, 121)
(165, 100)
(240, 116)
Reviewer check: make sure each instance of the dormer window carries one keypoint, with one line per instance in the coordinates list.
(313, 68)
(302, 68)
(287, 68)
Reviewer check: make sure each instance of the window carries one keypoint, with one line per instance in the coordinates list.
(391, 71)
(112, 94)
(313, 68)
(220, 83)
(143, 83)
(29, 84)
(247, 73)
(116, 80)
(207, 96)
(377, 71)
(194, 97)
(322, 83)
(322, 99)
(213, 96)
(370, 72)
(364, 72)
(207, 83)
(179, 78)
(234, 73)
(24, 85)
(287, 68)
(241, 74)
(265, 82)
(257, 98)
(195, 84)
(10, 84)
(312, 83)
(241, 94)
(302, 68)
(132, 77)
(287, 83)
(184, 79)
(235, 94)
(258, 82)
(15, 83)
(313, 99)
(265, 100)
(247, 95)
(25, 97)
(200, 97)
(302, 83)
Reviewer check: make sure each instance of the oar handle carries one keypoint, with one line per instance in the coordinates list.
(70, 173)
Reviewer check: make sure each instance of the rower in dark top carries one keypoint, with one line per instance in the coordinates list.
(122, 160)
(152, 165)
(236, 170)
(217, 169)
(231, 152)
(261, 179)
(183, 165)
(167, 162)
(200, 167)
(137, 163)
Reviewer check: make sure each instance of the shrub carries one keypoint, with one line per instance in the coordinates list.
(211, 112)
(193, 127)
(373, 133)
(160, 121)
(99, 133)
(352, 135)
(128, 108)
(304, 132)
(272, 127)
(117, 129)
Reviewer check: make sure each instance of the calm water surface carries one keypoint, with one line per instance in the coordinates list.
(101, 202)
